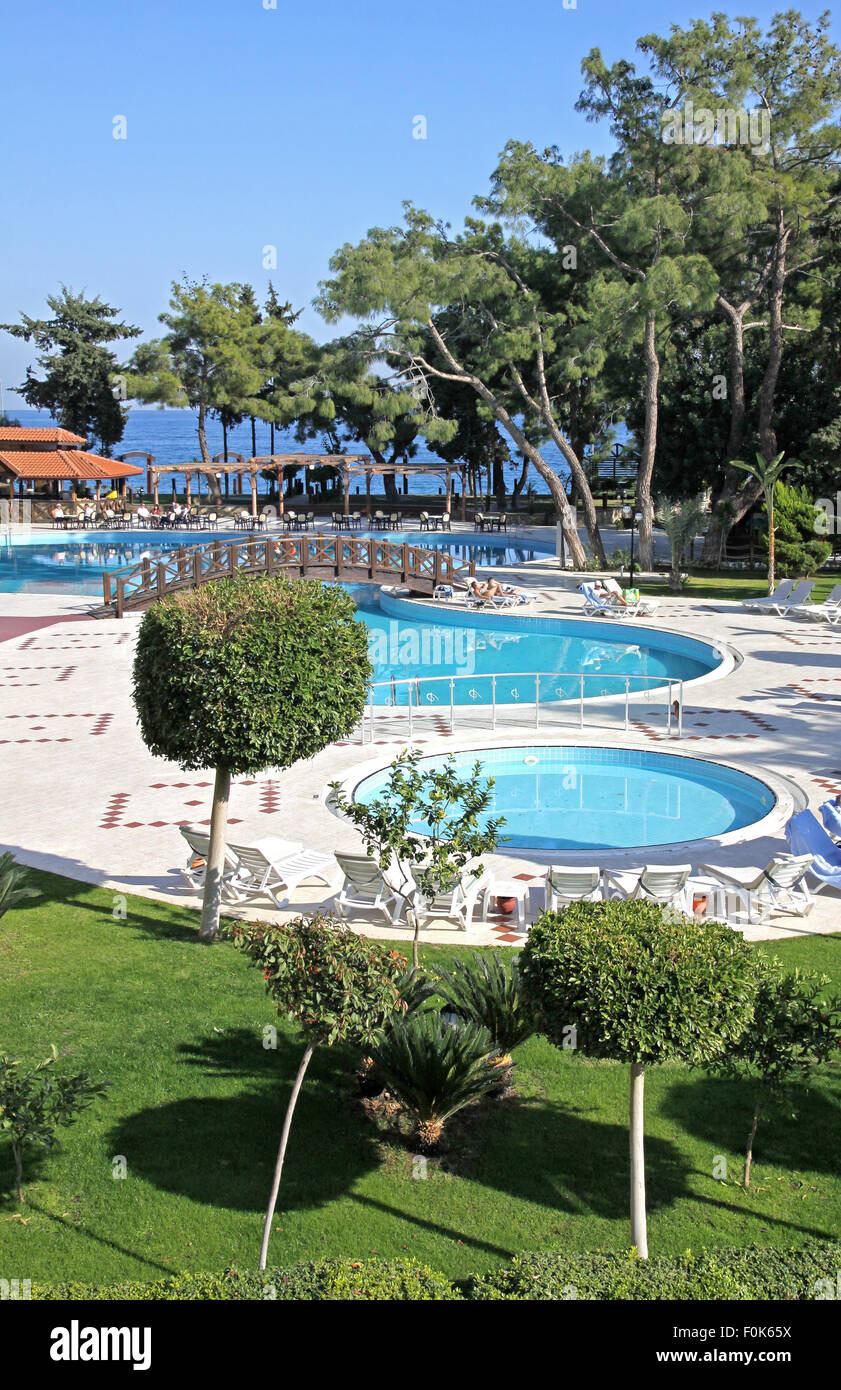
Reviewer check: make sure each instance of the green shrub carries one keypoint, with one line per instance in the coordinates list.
(754, 1272)
(345, 1280)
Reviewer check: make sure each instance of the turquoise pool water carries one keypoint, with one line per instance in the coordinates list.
(571, 798)
(74, 562)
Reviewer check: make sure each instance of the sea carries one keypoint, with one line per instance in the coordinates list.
(172, 436)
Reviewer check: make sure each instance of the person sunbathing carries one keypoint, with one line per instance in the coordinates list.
(493, 589)
(610, 590)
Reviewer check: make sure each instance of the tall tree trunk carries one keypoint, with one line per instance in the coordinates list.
(749, 1150)
(767, 433)
(499, 480)
(735, 497)
(644, 502)
(281, 1153)
(519, 484)
(639, 1231)
(212, 901)
(17, 1153)
(212, 480)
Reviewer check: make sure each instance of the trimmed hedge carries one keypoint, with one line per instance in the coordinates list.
(755, 1272)
(346, 1280)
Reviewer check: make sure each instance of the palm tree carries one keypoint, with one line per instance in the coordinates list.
(768, 473)
(680, 520)
(434, 1070)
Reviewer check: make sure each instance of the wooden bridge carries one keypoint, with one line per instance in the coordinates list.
(343, 558)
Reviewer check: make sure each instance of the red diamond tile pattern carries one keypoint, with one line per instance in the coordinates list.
(18, 676)
(99, 727)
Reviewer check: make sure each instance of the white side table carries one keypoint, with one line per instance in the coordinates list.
(514, 888)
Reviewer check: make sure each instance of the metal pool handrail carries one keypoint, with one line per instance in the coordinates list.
(413, 684)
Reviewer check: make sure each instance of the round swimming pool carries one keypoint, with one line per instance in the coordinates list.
(573, 798)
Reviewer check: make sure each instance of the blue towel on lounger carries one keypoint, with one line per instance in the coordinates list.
(831, 817)
(806, 835)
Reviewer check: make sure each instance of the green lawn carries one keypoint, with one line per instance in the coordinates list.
(730, 584)
(197, 1103)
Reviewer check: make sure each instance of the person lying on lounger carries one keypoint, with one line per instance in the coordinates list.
(493, 589)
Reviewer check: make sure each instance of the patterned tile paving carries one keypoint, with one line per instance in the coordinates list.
(19, 677)
(34, 727)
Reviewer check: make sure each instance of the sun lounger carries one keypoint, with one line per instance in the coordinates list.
(779, 887)
(828, 611)
(477, 600)
(273, 869)
(779, 595)
(564, 885)
(806, 835)
(456, 904)
(595, 603)
(195, 870)
(665, 884)
(780, 603)
(364, 888)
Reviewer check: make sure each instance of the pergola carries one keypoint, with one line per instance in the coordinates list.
(348, 466)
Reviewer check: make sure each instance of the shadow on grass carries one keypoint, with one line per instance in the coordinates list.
(160, 920)
(802, 1133)
(220, 1150)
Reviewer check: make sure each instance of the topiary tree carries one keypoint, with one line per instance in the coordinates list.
(336, 986)
(626, 982)
(246, 674)
(35, 1103)
(424, 828)
(796, 1025)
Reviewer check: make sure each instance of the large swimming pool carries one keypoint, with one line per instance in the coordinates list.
(75, 561)
(572, 798)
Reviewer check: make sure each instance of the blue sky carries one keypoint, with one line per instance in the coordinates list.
(250, 126)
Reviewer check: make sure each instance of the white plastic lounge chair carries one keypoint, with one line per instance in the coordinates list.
(780, 887)
(195, 870)
(365, 889)
(657, 883)
(477, 600)
(594, 603)
(779, 595)
(798, 598)
(456, 904)
(273, 869)
(641, 607)
(564, 885)
(828, 611)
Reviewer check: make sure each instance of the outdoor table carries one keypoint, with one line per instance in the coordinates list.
(515, 888)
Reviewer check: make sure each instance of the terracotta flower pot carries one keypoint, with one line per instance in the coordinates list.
(506, 906)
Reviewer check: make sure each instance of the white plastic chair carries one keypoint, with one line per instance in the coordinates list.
(365, 889)
(564, 885)
(780, 887)
(658, 883)
(274, 869)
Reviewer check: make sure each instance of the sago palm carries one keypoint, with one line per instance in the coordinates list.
(434, 1070)
(12, 879)
(486, 991)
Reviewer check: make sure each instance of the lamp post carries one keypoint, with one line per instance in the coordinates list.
(634, 516)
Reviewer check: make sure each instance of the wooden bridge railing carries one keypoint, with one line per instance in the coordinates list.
(343, 558)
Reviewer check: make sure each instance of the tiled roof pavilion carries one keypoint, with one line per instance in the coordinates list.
(18, 437)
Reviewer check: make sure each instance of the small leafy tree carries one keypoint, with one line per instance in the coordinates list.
(799, 549)
(767, 473)
(425, 828)
(796, 1026)
(626, 982)
(336, 986)
(35, 1103)
(246, 674)
(434, 1069)
(13, 889)
(487, 991)
(680, 519)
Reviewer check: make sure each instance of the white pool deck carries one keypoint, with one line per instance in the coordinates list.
(80, 794)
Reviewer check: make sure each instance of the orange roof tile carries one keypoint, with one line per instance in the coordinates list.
(69, 464)
(48, 434)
